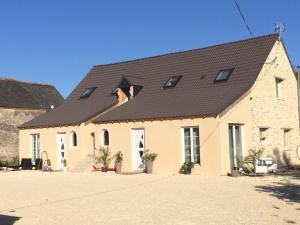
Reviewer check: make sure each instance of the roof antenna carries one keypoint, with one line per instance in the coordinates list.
(279, 28)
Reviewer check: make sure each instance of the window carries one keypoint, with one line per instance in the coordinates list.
(235, 144)
(286, 135)
(191, 144)
(278, 82)
(88, 92)
(73, 139)
(224, 75)
(115, 92)
(35, 144)
(105, 138)
(262, 134)
(172, 81)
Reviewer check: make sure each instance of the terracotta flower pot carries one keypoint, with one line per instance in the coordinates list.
(104, 169)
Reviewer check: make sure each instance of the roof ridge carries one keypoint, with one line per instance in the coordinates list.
(25, 82)
(184, 51)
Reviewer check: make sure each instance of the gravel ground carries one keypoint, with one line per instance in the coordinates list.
(30, 197)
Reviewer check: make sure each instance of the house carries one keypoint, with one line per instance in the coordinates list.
(208, 106)
(20, 102)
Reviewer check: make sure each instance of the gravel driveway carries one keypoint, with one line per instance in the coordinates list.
(30, 197)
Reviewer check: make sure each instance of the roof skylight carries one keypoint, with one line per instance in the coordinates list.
(224, 75)
(87, 93)
(172, 81)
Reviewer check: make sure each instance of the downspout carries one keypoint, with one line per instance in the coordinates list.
(298, 91)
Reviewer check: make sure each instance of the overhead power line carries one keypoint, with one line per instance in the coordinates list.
(244, 20)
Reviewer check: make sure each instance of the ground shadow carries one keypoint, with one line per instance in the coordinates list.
(8, 220)
(283, 191)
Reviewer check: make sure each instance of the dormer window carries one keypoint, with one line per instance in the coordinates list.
(115, 92)
(87, 93)
(172, 81)
(224, 75)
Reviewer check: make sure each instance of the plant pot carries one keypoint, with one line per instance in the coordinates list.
(104, 169)
(149, 166)
(118, 166)
(187, 171)
(235, 173)
(65, 168)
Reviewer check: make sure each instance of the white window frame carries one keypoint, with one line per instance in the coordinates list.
(192, 144)
(242, 139)
(278, 87)
(35, 146)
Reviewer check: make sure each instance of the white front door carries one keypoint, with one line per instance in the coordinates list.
(138, 140)
(61, 147)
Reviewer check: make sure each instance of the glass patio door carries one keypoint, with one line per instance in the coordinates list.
(235, 145)
(35, 146)
(191, 144)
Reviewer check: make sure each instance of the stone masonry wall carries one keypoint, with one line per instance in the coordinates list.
(10, 119)
(276, 114)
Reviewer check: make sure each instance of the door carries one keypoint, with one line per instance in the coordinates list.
(61, 146)
(191, 144)
(138, 140)
(235, 145)
(35, 146)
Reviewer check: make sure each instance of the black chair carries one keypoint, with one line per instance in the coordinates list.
(3, 164)
(38, 164)
(26, 164)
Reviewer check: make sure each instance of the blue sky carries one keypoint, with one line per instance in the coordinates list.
(58, 41)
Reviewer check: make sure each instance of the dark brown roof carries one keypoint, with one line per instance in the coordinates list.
(20, 94)
(196, 94)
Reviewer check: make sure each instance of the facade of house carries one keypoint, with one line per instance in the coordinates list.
(20, 102)
(208, 106)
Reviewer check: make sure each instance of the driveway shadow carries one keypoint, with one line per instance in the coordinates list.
(283, 191)
(8, 220)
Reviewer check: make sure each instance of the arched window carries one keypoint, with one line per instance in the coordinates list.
(105, 138)
(73, 139)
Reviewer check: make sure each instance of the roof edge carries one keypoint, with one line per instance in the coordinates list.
(25, 82)
(157, 118)
(190, 50)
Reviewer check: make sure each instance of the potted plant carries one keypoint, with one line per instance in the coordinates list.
(104, 158)
(148, 158)
(118, 162)
(47, 166)
(186, 167)
(65, 167)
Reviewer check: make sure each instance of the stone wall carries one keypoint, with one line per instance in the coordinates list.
(10, 119)
(273, 113)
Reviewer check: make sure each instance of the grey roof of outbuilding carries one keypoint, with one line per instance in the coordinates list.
(20, 94)
(196, 94)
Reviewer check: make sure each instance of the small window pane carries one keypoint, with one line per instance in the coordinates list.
(262, 134)
(74, 139)
(224, 75)
(278, 87)
(286, 137)
(172, 81)
(105, 138)
(88, 92)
